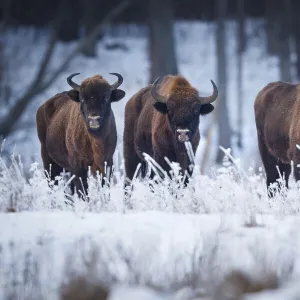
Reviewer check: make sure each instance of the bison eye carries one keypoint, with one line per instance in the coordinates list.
(197, 109)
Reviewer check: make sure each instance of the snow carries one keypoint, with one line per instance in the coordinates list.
(162, 249)
(156, 243)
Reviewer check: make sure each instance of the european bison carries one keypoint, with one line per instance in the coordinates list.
(277, 108)
(159, 119)
(77, 128)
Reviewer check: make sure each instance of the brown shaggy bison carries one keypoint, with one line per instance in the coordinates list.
(159, 119)
(277, 108)
(77, 128)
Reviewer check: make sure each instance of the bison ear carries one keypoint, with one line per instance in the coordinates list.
(206, 109)
(161, 107)
(117, 95)
(74, 95)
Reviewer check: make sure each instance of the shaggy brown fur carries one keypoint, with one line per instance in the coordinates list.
(277, 110)
(237, 284)
(150, 126)
(82, 289)
(68, 140)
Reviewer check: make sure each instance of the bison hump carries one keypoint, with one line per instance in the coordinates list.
(171, 84)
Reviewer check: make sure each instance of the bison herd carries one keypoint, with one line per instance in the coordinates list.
(77, 128)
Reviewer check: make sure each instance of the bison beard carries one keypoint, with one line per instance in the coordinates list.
(159, 119)
(77, 129)
(277, 108)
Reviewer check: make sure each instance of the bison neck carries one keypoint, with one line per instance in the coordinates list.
(165, 144)
(181, 154)
(86, 149)
(103, 147)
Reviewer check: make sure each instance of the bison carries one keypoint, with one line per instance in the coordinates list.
(77, 129)
(277, 108)
(159, 119)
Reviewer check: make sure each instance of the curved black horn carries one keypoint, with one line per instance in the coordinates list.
(118, 82)
(212, 98)
(74, 85)
(155, 94)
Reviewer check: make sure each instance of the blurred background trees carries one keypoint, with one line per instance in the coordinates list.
(79, 22)
(161, 38)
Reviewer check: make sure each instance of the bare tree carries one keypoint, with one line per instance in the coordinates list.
(278, 29)
(272, 26)
(222, 110)
(240, 51)
(284, 47)
(91, 10)
(162, 44)
(40, 83)
(69, 29)
(296, 32)
(5, 7)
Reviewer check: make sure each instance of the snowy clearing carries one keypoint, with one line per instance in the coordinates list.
(173, 241)
(165, 251)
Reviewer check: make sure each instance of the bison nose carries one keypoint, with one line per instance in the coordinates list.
(94, 117)
(94, 122)
(183, 135)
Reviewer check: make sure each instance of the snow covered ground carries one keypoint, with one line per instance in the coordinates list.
(161, 250)
(169, 240)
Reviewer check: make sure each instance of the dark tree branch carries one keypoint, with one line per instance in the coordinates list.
(40, 84)
(97, 30)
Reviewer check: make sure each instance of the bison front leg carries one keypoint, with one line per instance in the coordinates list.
(51, 168)
(160, 159)
(296, 159)
(108, 172)
(273, 167)
(104, 171)
(79, 183)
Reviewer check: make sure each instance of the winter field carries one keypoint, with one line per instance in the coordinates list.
(219, 238)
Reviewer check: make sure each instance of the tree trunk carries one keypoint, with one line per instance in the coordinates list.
(162, 43)
(284, 38)
(69, 30)
(296, 33)
(90, 20)
(240, 53)
(222, 111)
(5, 16)
(272, 26)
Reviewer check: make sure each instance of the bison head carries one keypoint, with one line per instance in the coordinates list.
(95, 96)
(183, 107)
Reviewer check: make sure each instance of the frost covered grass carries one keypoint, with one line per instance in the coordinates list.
(228, 189)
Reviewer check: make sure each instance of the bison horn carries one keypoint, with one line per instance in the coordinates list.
(155, 94)
(118, 82)
(74, 85)
(212, 98)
